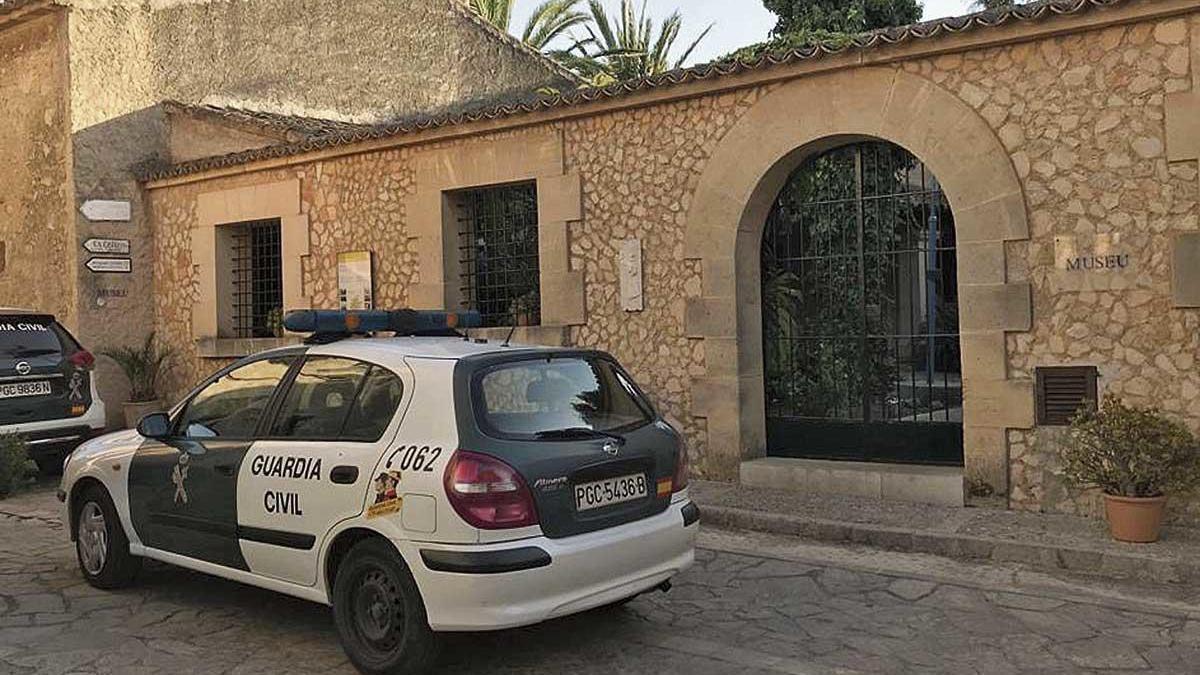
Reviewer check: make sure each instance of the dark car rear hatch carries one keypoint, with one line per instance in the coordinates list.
(574, 425)
(38, 379)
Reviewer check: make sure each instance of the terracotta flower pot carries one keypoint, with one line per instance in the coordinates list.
(1135, 519)
(136, 411)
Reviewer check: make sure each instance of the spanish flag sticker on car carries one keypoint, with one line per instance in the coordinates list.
(664, 487)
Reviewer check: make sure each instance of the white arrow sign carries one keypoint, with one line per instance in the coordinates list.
(107, 246)
(105, 209)
(115, 265)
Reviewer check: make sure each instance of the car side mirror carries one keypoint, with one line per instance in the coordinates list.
(155, 425)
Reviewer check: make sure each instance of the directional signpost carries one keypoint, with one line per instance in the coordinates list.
(106, 209)
(107, 246)
(110, 265)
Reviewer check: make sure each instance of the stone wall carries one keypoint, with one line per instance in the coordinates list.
(35, 178)
(1080, 119)
(366, 60)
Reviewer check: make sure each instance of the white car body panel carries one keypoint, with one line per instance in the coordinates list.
(587, 570)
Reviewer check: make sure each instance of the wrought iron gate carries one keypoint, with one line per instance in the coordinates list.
(860, 311)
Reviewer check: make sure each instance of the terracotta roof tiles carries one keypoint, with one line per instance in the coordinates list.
(927, 30)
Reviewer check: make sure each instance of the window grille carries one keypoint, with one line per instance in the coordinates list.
(257, 279)
(498, 254)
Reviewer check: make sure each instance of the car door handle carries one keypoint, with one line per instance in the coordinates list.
(344, 475)
(226, 469)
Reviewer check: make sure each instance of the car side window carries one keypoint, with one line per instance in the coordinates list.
(375, 406)
(320, 399)
(231, 406)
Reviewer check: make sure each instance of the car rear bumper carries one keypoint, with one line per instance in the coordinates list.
(50, 436)
(491, 587)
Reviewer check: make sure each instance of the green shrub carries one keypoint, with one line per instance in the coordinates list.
(15, 465)
(1128, 451)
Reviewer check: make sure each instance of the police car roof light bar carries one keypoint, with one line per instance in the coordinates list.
(405, 322)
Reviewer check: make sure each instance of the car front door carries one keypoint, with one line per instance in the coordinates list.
(183, 489)
(313, 468)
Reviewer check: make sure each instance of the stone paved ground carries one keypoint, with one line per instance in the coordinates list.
(804, 610)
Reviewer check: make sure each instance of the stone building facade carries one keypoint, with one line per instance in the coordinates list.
(1060, 134)
(87, 85)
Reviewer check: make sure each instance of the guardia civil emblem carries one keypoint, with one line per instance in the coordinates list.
(178, 476)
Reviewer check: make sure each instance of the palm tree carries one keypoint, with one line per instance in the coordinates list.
(626, 47)
(549, 20)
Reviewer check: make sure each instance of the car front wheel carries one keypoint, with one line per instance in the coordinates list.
(100, 542)
(379, 614)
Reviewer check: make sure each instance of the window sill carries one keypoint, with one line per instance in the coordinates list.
(545, 336)
(236, 348)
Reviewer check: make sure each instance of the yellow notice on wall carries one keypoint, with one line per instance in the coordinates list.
(355, 280)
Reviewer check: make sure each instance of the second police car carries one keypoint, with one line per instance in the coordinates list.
(416, 484)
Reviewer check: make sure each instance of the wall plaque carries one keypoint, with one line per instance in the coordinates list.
(629, 262)
(1094, 262)
(355, 280)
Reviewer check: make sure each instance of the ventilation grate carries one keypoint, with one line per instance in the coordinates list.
(1062, 391)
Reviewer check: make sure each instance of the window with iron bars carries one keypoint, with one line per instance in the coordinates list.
(498, 254)
(257, 279)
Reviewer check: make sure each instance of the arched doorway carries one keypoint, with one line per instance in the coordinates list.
(860, 311)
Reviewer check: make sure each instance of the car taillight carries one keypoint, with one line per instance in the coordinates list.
(680, 480)
(488, 493)
(82, 359)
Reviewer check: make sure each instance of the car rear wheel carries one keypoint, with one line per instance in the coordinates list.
(379, 614)
(100, 542)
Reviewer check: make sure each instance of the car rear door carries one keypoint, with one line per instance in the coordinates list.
(183, 489)
(587, 442)
(38, 381)
(314, 467)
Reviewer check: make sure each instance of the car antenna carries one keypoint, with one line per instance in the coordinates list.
(511, 330)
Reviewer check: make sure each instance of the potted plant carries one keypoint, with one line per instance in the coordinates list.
(144, 367)
(1137, 457)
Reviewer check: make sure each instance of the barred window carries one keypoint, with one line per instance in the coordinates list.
(257, 279)
(498, 254)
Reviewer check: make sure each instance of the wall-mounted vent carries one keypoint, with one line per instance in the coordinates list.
(1062, 391)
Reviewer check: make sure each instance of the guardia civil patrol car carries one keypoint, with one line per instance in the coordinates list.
(416, 483)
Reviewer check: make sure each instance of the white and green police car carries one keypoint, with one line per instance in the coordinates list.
(417, 484)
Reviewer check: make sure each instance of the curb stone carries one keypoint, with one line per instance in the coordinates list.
(966, 547)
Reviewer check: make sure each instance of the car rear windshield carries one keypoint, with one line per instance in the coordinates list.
(27, 337)
(557, 398)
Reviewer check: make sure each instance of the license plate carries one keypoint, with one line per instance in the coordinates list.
(610, 491)
(20, 389)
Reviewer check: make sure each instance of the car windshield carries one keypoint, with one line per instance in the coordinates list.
(27, 337)
(558, 398)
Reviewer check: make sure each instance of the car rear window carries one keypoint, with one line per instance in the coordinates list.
(25, 337)
(537, 398)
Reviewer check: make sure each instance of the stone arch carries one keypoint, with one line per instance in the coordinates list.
(728, 214)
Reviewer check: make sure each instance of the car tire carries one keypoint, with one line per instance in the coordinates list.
(101, 546)
(379, 614)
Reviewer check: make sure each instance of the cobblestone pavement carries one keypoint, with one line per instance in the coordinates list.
(733, 613)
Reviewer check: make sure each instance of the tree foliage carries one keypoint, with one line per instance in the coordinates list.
(627, 46)
(549, 21)
(1128, 451)
(841, 16)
